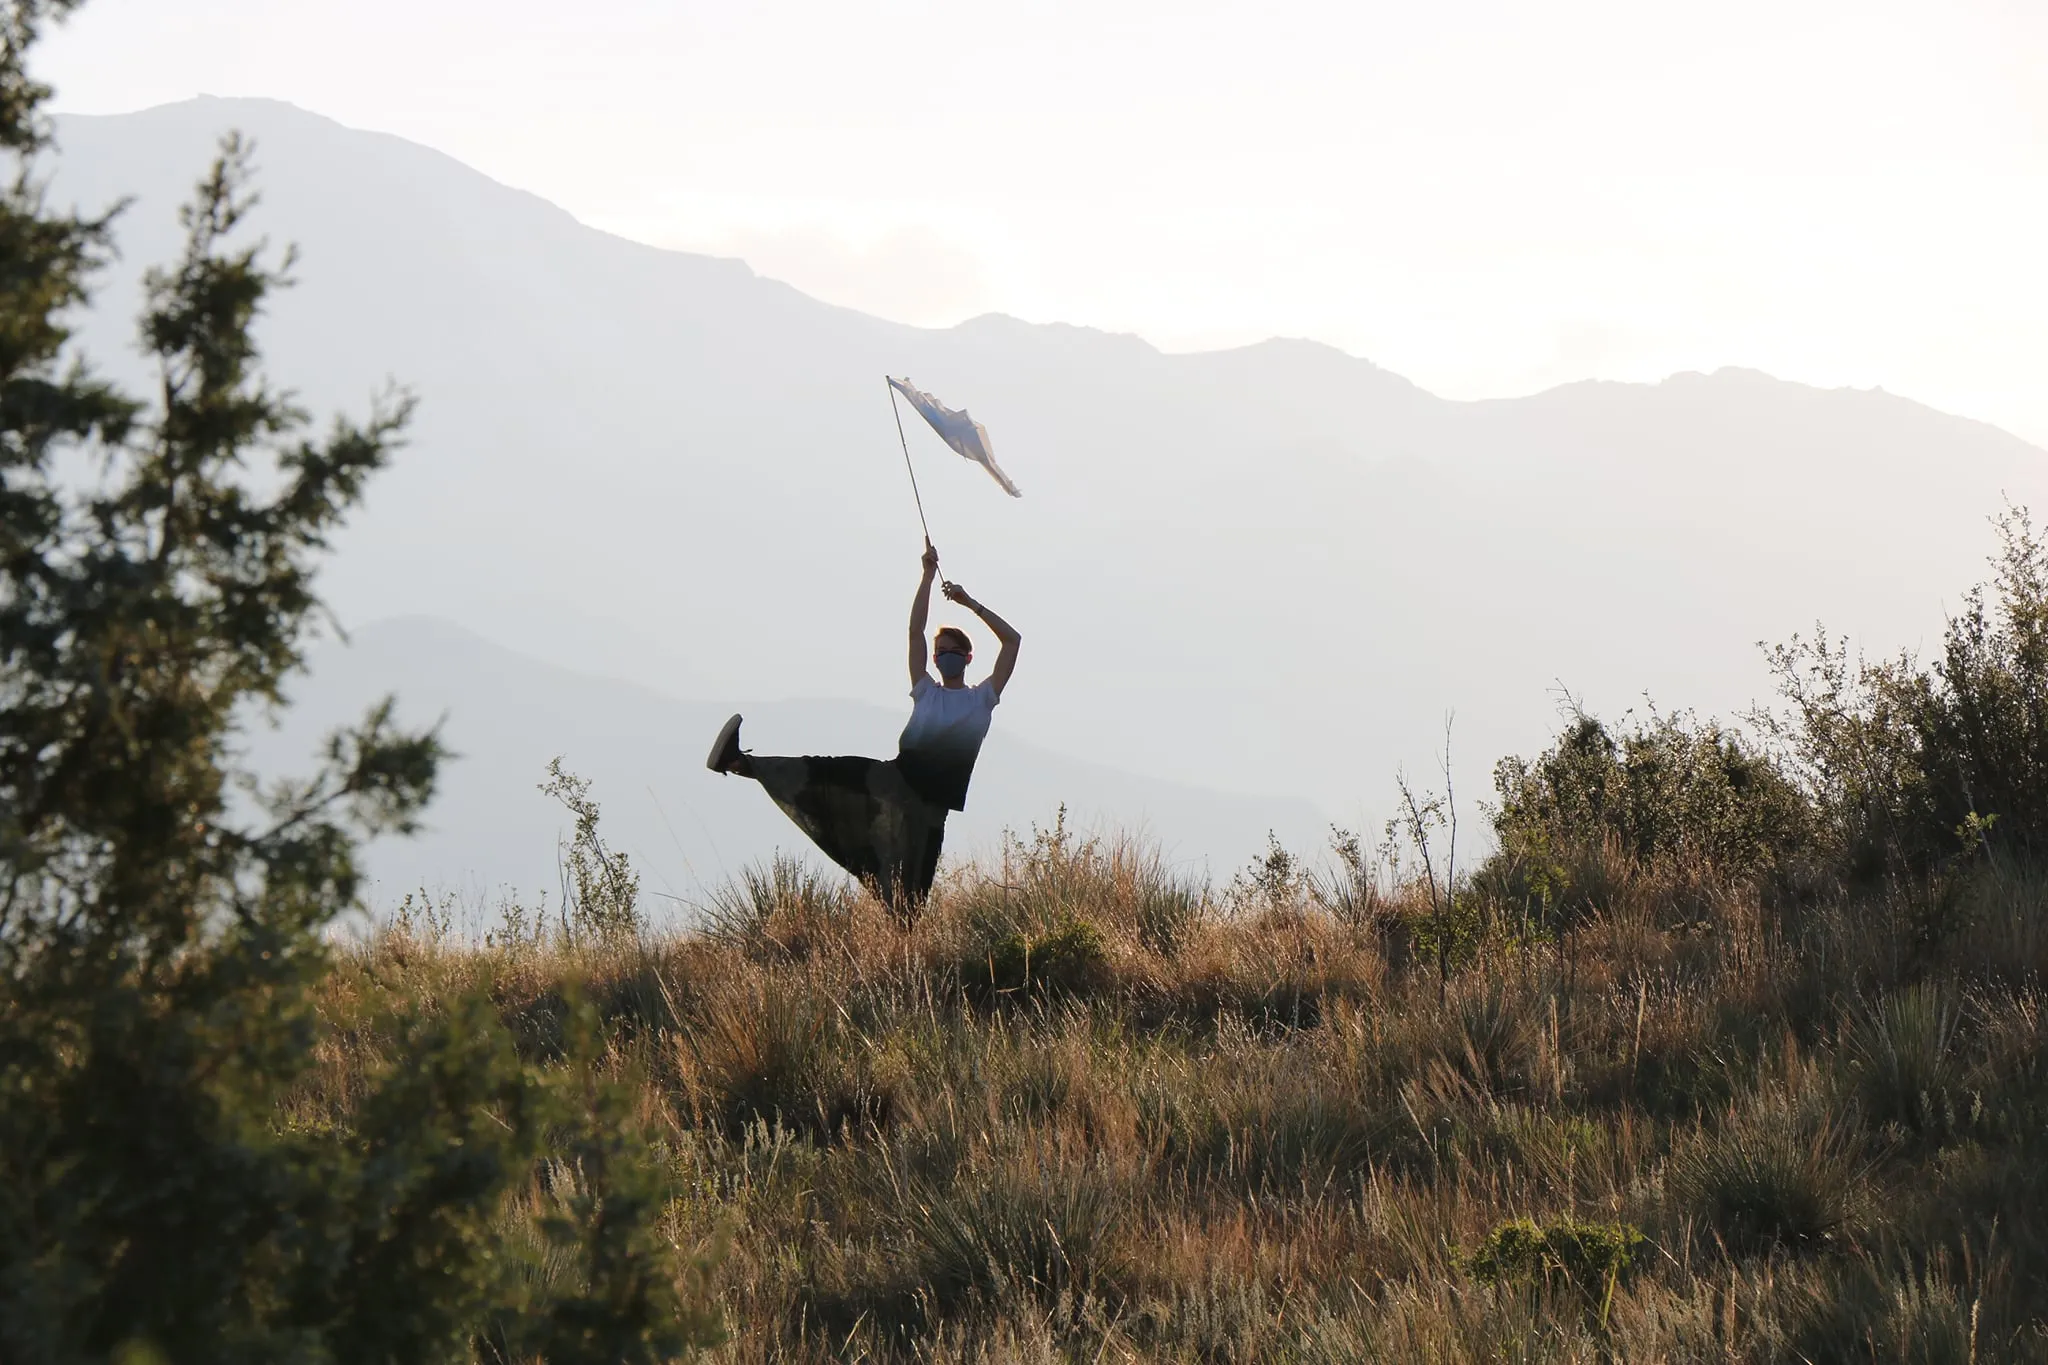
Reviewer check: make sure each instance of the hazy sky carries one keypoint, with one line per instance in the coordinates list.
(1486, 197)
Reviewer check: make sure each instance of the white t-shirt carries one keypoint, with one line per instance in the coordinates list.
(939, 745)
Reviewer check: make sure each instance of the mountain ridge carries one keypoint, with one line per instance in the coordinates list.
(206, 103)
(1268, 570)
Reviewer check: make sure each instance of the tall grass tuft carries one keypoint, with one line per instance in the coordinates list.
(1902, 1053)
(1011, 1224)
(782, 908)
(1780, 1176)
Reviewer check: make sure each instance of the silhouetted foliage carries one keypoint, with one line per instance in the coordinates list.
(160, 912)
(1672, 790)
(600, 889)
(1913, 767)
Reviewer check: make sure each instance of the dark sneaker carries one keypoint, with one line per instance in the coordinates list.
(725, 750)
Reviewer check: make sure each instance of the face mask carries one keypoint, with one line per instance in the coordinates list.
(951, 665)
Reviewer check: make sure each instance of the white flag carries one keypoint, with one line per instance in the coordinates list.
(968, 437)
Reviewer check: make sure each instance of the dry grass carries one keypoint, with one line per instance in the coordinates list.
(1084, 1112)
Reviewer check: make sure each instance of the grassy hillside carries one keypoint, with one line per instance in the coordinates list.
(1733, 1051)
(1084, 1114)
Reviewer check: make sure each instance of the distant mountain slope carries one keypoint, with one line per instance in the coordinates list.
(505, 715)
(1270, 570)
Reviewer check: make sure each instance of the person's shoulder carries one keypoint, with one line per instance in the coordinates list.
(921, 684)
(989, 695)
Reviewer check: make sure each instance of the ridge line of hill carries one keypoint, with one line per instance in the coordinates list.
(1267, 345)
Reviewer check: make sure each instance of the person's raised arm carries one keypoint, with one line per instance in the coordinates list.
(920, 607)
(1006, 661)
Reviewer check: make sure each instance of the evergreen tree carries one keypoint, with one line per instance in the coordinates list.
(160, 913)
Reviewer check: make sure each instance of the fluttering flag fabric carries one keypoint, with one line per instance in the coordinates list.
(967, 437)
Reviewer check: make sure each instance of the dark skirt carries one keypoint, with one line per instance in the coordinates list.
(865, 816)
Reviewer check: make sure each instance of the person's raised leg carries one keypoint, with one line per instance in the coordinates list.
(860, 812)
(830, 799)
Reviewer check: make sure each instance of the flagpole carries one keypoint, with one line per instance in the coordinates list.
(898, 413)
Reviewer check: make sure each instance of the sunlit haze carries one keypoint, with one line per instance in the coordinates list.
(1486, 197)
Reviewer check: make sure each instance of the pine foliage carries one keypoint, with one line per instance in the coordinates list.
(161, 911)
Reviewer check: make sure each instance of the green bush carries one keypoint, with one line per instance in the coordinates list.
(1450, 934)
(1671, 790)
(1914, 767)
(1588, 1259)
(1069, 959)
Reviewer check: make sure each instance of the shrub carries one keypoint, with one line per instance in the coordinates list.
(1449, 933)
(1275, 881)
(1999, 931)
(1911, 767)
(1056, 876)
(600, 889)
(1351, 893)
(1589, 1259)
(1673, 789)
(1070, 959)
